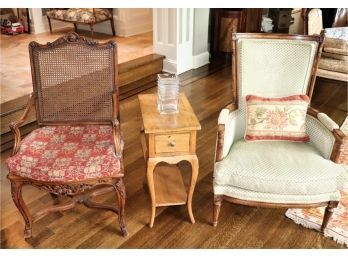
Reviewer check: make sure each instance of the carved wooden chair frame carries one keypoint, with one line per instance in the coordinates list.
(337, 133)
(81, 191)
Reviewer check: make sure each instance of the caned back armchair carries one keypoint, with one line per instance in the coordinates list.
(276, 174)
(77, 151)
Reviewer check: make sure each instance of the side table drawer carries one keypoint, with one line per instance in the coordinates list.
(172, 143)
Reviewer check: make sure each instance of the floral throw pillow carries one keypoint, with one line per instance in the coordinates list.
(277, 118)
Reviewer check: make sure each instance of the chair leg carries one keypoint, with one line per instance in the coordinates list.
(54, 196)
(92, 30)
(328, 213)
(16, 191)
(216, 209)
(49, 23)
(113, 26)
(75, 27)
(121, 195)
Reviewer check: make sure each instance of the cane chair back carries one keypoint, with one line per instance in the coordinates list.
(272, 65)
(74, 80)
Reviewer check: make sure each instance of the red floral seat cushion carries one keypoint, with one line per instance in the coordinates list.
(66, 154)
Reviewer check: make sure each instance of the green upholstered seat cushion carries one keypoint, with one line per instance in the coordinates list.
(288, 168)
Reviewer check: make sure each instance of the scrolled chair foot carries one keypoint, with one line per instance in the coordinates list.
(27, 232)
(121, 195)
(54, 196)
(124, 231)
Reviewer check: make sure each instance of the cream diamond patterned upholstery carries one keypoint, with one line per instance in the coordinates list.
(282, 167)
(274, 68)
(234, 127)
(268, 68)
(320, 136)
(248, 195)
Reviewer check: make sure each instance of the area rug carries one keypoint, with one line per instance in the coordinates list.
(337, 229)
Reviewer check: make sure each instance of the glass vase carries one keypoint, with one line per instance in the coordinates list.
(168, 93)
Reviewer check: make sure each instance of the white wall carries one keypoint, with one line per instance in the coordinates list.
(133, 21)
(200, 37)
(128, 22)
(39, 23)
(165, 36)
(181, 35)
(173, 37)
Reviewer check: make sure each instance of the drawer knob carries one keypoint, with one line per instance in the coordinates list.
(172, 143)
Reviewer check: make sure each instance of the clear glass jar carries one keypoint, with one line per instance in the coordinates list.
(168, 93)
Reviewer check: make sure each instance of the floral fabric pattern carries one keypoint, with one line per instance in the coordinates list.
(337, 228)
(277, 118)
(85, 15)
(66, 153)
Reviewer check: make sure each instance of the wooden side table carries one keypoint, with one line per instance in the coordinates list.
(168, 138)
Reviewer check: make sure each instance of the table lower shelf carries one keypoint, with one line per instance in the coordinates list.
(169, 186)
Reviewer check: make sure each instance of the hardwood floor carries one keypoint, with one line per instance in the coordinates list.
(330, 96)
(15, 66)
(208, 90)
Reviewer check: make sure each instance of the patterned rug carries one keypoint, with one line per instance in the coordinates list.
(337, 229)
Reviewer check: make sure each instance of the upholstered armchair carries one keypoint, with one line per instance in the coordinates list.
(278, 174)
(77, 150)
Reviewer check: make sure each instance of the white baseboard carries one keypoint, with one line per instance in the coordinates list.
(200, 60)
(169, 66)
(197, 61)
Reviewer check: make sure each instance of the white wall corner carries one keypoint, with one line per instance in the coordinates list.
(39, 22)
(170, 66)
(200, 60)
(133, 21)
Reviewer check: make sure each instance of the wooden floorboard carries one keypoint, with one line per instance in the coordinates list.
(208, 90)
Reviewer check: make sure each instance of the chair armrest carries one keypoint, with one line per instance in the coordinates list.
(118, 141)
(324, 134)
(226, 133)
(14, 125)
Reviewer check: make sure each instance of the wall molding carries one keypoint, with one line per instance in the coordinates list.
(169, 66)
(176, 25)
(200, 60)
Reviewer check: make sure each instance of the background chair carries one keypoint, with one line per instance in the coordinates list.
(333, 62)
(276, 174)
(89, 16)
(77, 149)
